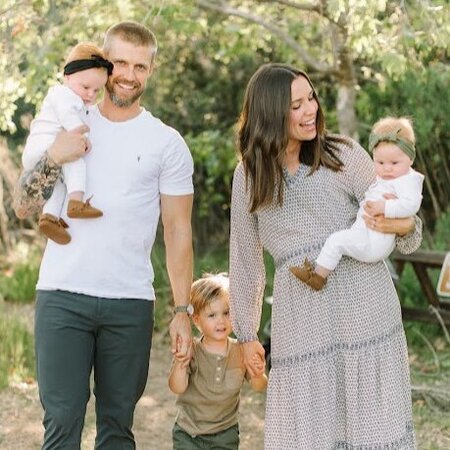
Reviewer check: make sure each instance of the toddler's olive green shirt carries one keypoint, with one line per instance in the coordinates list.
(211, 401)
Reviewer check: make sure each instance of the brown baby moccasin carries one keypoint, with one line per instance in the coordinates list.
(77, 209)
(54, 229)
(306, 274)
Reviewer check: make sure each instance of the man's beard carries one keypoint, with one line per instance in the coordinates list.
(120, 101)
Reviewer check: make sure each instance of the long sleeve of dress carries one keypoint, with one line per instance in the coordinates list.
(247, 271)
(411, 242)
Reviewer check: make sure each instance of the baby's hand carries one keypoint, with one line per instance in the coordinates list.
(390, 196)
(258, 364)
(374, 208)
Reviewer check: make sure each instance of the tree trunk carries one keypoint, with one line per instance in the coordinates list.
(8, 177)
(345, 108)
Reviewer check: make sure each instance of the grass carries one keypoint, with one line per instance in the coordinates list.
(16, 349)
(432, 427)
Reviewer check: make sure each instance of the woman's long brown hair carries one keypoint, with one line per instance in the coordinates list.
(263, 134)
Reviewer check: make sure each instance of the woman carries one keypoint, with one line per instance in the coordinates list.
(339, 376)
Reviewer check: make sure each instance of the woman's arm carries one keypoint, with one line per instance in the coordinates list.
(408, 231)
(246, 269)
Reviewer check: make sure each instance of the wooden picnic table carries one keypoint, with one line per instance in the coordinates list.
(422, 261)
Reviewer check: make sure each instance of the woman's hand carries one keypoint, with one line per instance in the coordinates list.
(382, 224)
(250, 350)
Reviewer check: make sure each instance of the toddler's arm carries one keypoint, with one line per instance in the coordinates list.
(178, 376)
(258, 382)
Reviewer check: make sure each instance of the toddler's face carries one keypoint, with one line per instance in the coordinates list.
(390, 161)
(87, 83)
(214, 320)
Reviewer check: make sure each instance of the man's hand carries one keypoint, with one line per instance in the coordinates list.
(181, 337)
(69, 146)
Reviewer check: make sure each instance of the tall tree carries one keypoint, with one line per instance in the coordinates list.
(348, 39)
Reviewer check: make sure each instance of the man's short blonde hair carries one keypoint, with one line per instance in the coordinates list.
(134, 33)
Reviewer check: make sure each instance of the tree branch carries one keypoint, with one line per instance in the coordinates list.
(299, 6)
(224, 8)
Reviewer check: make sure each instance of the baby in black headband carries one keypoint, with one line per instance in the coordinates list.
(396, 193)
(66, 107)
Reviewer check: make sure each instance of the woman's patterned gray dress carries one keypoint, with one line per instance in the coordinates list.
(340, 375)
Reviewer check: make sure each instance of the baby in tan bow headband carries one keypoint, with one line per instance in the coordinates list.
(396, 193)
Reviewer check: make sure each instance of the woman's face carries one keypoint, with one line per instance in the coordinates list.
(303, 112)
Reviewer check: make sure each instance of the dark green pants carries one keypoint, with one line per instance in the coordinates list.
(224, 440)
(77, 333)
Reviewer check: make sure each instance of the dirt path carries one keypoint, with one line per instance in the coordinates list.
(20, 413)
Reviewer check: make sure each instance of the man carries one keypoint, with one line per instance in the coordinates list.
(94, 306)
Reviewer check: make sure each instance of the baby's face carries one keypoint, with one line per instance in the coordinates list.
(87, 83)
(390, 161)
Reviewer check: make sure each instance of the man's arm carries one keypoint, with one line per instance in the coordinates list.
(35, 186)
(176, 218)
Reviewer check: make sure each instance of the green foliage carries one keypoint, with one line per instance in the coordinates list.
(18, 284)
(16, 350)
(214, 161)
(441, 237)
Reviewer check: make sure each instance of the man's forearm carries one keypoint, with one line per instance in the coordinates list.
(35, 187)
(179, 259)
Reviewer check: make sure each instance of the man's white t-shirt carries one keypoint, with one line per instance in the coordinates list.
(130, 165)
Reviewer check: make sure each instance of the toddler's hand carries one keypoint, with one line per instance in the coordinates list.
(180, 357)
(258, 364)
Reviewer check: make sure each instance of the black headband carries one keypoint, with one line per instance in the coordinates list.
(96, 62)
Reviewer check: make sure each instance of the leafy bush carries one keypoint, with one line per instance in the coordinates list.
(215, 160)
(19, 283)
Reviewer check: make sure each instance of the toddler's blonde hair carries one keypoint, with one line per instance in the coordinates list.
(388, 124)
(207, 289)
(84, 50)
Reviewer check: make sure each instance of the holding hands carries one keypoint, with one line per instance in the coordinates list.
(255, 364)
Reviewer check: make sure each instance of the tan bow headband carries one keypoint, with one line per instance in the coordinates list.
(392, 136)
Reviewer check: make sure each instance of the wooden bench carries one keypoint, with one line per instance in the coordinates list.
(421, 261)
